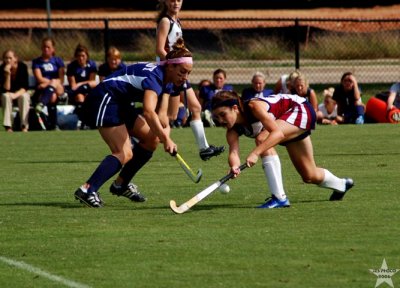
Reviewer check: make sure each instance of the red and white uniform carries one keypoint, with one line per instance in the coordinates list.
(291, 108)
(174, 33)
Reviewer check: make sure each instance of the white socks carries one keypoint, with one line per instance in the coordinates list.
(272, 170)
(199, 134)
(332, 182)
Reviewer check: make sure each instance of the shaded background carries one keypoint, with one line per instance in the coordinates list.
(195, 4)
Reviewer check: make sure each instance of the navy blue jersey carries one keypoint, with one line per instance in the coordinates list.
(48, 68)
(132, 81)
(80, 73)
(112, 102)
(104, 69)
(208, 92)
(249, 93)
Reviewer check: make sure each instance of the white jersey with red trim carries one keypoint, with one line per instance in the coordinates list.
(175, 32)
(288, 107)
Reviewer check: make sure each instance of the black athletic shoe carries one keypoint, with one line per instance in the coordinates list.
(89, 199)
(131, 192)
(211, 151)
(338, 195)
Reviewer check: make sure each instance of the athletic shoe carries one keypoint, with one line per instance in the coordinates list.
(131, 192)
(63, 98)
(211, 151)
(274, 202)
(89, 199)
(360, 119)
(338, 195)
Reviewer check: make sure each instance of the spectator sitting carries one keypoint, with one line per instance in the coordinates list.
(348, 98)
(14, 86)
(202, 83)
(49, 71)
(257, 87)
(285, 83)
(302, 88)
(393, 100)
(114, 63)
(327, 111)
(384, 107)
(208, 92)
(81, 73)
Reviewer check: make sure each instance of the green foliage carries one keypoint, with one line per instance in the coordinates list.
(353, 46)
(221, 242)
(322, 45)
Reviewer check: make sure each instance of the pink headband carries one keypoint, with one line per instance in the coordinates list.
(180, 60)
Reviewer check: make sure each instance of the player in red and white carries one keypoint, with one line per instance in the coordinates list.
(168, 31)
(280, 119)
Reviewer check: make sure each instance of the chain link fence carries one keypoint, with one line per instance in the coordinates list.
(321, 48)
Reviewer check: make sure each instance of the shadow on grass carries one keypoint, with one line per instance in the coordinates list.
(46, 204)
(311, 201)
(205, 207)
(57, 161)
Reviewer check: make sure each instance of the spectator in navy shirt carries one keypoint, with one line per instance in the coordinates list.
(81, 74)
(114, 63)
(49, 71)
(257, 87)
(207, 93)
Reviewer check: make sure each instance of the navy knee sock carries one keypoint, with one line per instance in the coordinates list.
(107, 169)
(47, 93)
(52, 119)
(83, 89)
(140, 157)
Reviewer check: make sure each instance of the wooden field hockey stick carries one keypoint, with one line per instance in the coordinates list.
(203, 194)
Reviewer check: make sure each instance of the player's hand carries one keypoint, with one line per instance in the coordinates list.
(7, 68)
(252, 159)
(170, 146)
(235, 170)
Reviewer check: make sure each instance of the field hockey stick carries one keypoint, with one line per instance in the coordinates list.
(193, 176)
(40, 120)
(203, 194)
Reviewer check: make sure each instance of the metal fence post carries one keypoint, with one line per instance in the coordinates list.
(48, 9)
(106, 39)
(297, 43)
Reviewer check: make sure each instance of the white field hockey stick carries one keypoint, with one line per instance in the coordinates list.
(195, 177)
(40, 120)
(203, 194)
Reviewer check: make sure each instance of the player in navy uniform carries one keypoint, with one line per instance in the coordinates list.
(49, 71)
(277, 119)
(168, 31)
(81, 74)
(110, 107)
(257, 87)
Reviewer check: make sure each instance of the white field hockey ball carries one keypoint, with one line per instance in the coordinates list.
(224, 189)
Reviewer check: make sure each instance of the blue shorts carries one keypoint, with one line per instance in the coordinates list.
(102, 109)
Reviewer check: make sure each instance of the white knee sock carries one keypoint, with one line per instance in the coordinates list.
(272, 170)
(199, 134)
(332, 182)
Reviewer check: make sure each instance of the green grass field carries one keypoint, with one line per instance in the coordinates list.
(221, 242)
